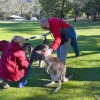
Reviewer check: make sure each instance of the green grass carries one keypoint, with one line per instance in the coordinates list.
(85, 84)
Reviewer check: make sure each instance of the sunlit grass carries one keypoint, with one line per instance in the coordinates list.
(85, 84)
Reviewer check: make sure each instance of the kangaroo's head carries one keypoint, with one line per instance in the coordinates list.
(40, 49)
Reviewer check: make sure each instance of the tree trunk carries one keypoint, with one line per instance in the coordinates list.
(75, 14)
(75, 18)
(94, 13)
(21, 11)
(61, 14)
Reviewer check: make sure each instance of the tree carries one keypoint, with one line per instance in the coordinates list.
(61, 15)
(92, 8)
(55, 8)
(94, 12)
(98, 8)
(77, 6)
(19, 7)
(21, 2)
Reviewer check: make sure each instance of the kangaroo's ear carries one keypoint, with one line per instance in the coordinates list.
(39, 51)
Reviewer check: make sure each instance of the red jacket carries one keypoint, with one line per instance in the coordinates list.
(55, 29)
(13, 62)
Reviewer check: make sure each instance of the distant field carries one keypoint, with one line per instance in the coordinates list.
(85, 85)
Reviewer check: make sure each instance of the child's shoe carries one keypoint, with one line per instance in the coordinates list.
(5, 85)
(22, 84)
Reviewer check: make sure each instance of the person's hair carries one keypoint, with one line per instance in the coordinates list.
(43, 21)
(18, 39)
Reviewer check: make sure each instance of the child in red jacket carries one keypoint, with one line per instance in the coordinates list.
(13, 62)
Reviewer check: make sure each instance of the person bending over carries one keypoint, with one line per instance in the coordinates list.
(64, 36)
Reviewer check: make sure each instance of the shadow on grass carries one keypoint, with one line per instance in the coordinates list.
(87, 44)
(85, 74)
(38, 76)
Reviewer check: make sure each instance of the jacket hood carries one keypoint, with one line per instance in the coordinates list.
(13, 46)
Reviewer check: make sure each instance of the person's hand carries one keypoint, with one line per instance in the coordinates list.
(47, 52)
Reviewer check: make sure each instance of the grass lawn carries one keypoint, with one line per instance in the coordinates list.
(85, 84)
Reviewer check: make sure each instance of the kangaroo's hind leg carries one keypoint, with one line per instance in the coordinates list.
(50, 83)
(58, 87)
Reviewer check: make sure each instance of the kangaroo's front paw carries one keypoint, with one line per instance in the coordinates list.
(47, 71)
(40, 66)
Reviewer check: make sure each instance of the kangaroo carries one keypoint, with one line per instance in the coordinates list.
(28, 48)
(54, 66)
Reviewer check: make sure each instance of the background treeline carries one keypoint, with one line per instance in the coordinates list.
(48, 8)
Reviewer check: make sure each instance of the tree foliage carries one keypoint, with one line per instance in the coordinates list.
(77, 6)
(19, 7)
(92, 8)
(54, 7)
(50, 8)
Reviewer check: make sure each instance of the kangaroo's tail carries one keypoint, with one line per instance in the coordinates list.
(68, 78)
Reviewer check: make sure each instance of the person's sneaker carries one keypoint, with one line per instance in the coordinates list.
(5, 85)
(22, 84)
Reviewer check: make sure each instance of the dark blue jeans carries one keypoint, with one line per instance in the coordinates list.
(26, 75)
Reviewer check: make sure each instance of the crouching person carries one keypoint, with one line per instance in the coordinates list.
(13, 62)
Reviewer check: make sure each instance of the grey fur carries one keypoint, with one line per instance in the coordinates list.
(28, 48)
(54, 66)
